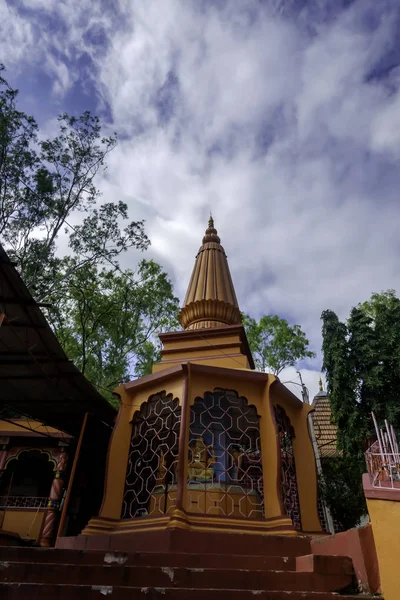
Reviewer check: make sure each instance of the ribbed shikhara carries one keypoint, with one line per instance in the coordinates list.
(210, 299)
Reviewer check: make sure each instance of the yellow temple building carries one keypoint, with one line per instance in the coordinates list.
(206, 443)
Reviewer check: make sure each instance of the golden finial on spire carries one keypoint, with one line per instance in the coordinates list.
(320, 384)
(211, 234)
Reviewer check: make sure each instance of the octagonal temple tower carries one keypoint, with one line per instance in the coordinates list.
(206, 443)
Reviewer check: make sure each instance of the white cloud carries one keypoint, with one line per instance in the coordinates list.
(283, 134)
(15, 35)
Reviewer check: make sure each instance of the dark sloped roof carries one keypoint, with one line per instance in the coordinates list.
(325, 431)
(36, 377)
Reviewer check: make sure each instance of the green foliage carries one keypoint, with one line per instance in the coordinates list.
(108, 321)
(104, 317)
(150, 353)
(341, 490)
(362, 364)
(275, 344)
(43, 182)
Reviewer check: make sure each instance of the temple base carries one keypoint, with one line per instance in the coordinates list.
(198, 537)
(147, 533)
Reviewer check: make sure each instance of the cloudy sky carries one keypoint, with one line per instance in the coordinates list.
(281, 116)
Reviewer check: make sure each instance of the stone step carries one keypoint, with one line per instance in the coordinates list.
(170, 577)
(324, 564)
(29, 591)
(161, 559)
(192, 542)
(318, 563)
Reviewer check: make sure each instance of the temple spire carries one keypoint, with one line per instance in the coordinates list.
(320, 384)
(210, 299)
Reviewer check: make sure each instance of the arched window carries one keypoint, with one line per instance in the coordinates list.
(150, 487)
(289, 489)
(29, 474)
(225, 467)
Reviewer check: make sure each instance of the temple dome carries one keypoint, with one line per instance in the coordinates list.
(210, 299)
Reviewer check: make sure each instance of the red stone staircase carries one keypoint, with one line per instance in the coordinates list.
(278, 568)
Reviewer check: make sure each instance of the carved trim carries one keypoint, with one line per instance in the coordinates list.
(15, 453)
(209, 313)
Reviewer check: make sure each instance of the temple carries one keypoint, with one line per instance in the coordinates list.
(210, 481)
(206, 443)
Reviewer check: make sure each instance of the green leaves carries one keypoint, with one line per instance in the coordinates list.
(100, 236)
(46, 182)
(362, 364)
(105, 318)
(108, 321)
(275, 344)
(43, 183)
(18, 161)
(341, 489)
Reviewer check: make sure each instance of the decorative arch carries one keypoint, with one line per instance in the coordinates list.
(225, 475)
(18, 451)
(151, 476)
(29, 473)
(288, 478)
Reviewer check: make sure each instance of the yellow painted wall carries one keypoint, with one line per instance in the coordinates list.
(27, 523)
(219, 360)
(219, 351)
(201, 341)
(385, 519)
(306, 471)
(270, 457)
(120, 440)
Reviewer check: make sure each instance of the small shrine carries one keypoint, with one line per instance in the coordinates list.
(206, 442)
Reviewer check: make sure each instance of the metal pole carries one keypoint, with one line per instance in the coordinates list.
(72, 476)
(395, 442)
(378, 436)
(390, 438)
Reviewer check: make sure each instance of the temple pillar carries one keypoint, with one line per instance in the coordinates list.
(3, 453)
(118, 458)
(3, 460)
(183, 443)
(306, 471)
(270, 457)
(50, 519)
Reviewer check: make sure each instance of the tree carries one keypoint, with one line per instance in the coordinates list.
(275, 344)
(362, 365)
(340, 487)
(104, 317)
(43, 183)
(109, 319)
